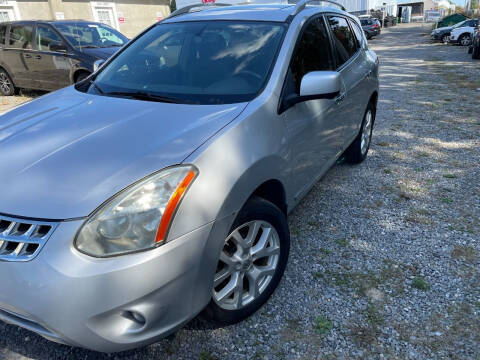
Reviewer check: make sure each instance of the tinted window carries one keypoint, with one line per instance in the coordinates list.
(358, 33)
(46, 37)
(3, 30)
(366, 22)
(211, 62)
(312, 54)
(90, 35)
(21, 36)
(343, 38)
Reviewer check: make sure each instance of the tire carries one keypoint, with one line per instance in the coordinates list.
(476, 52)
(358, 149)
(82, 76)
(464, 40)
(258, 214)
(445, 38)
(7, 88)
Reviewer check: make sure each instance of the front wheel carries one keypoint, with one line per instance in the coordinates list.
(445, 39)
(358, 149)
(251, 263)
(6, 84)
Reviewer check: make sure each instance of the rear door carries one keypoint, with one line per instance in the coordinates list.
(52, 65)
(18, 54)
(351, 64)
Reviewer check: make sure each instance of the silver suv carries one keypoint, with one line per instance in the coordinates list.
(159, 187)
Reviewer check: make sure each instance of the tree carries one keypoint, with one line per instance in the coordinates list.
(173, 6)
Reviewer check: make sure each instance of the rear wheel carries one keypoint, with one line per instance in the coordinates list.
(464, 40)
(251, 264)
(6, 84)
(358, 149)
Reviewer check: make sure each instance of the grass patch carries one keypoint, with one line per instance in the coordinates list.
(373, 315)
(204, 355)
(387, 171)
(342, 242)
(464, 252)
(420, 284)
(323, 325)
(446, 200)
(450, 176)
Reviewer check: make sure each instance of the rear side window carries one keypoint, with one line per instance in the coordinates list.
(357, 32)
(345, 43)
(312, 54)
(21, 36)
(3, 30)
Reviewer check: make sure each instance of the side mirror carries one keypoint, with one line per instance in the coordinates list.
(57, 47)
(97, 64)
(320, 85)
(315, 85)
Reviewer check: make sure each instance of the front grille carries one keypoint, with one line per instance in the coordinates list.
(22, 240)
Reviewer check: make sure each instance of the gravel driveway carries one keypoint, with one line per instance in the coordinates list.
(385, 258)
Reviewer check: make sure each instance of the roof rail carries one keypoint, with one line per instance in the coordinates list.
(187, 9)
(303, 3)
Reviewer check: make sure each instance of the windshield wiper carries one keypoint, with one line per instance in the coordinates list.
(141, 95)
(89, 46)
(116, 45)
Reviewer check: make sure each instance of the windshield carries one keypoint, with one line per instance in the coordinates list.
(214, 62)
(90, 35)
(459, 24)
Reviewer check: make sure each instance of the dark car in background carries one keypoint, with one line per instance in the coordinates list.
(474, 47)
(48, 55)
(371, 24)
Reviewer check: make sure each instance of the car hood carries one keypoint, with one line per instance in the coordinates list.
(65, 153)
(445, 28)
(102, 53)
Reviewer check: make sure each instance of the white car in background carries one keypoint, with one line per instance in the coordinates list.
(463, 35)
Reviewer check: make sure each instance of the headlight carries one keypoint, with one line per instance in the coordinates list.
(138, 217)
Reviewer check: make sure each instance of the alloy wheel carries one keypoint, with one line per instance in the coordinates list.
(5, 84)
(465, 40)
(366, 132)
(248, 262)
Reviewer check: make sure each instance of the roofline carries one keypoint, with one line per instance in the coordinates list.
(299, 6)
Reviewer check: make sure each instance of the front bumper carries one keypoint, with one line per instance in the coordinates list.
(110, 304)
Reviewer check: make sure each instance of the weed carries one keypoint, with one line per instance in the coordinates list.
(449, 176)
(420, 284)
(323, 325)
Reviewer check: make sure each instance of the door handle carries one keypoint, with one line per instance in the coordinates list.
(28, 56)
(340, 98)
(38, 57)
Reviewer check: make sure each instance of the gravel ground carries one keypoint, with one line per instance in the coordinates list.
(385, 256)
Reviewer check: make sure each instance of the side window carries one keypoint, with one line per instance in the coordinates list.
(21, 36)
(343, 38)
(46, 37)
(3, 30)
(312, 54)
(358, 32)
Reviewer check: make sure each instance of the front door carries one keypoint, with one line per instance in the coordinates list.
(52, 66)
(314, 127)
